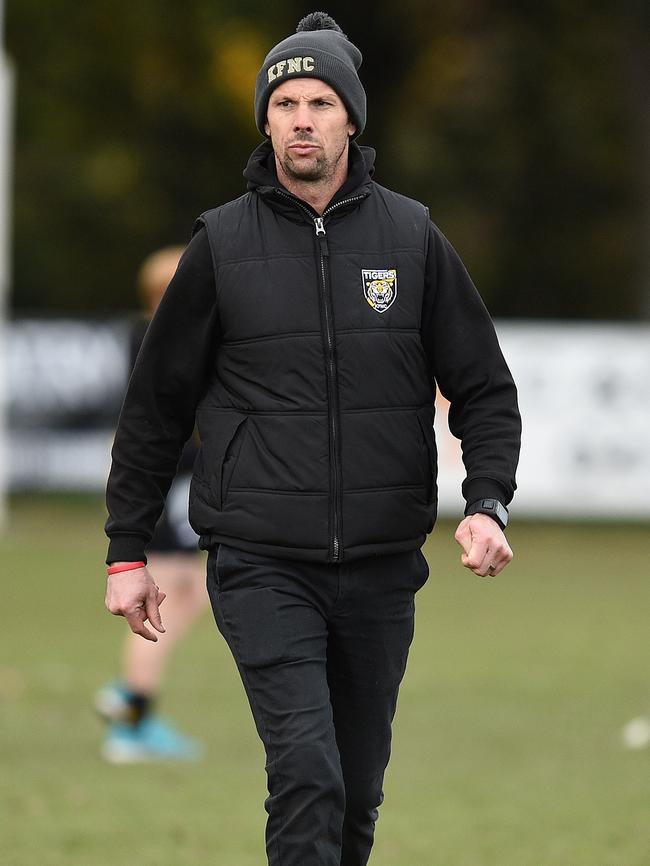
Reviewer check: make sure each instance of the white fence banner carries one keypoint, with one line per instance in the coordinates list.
(584, 393)
(66, 381)
(584, 396)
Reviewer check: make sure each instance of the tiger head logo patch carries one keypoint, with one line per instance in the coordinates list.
(379, 288)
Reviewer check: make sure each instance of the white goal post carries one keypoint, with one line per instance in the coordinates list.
(6, 138)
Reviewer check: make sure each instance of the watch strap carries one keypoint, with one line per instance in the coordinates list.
(492, 507)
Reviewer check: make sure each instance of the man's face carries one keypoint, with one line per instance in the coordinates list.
(309, 128)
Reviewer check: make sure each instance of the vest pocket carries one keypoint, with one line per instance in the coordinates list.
(230, 460)
(425, 417)
(217, 459)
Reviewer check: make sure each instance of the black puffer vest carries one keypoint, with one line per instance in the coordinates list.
(316, 427)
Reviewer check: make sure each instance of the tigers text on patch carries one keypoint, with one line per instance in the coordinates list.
(379, 288)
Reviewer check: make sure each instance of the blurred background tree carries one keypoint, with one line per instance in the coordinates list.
(524, 126)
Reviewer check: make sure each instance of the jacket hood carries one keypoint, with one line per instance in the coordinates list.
(261, 174)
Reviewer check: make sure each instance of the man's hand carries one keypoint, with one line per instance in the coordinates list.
(486, 549)
(134, 595)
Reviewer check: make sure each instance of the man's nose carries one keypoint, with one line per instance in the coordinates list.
(302, 118)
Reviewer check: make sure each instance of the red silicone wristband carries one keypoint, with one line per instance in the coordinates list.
(124, 566)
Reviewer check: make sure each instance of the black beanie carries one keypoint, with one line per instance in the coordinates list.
(318, 49)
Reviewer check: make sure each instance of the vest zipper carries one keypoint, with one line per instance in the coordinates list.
(329, 210)
(332, 390)
(326, 299)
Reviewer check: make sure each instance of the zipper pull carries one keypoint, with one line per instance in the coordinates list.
(321, 234)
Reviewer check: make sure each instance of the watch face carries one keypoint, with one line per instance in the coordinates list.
(501, 513)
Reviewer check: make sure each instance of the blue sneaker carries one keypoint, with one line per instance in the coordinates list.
(152, 739)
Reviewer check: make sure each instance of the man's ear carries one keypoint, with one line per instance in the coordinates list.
(351, 129)
(267, 129)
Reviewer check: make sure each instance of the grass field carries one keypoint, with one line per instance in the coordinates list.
(506, 748)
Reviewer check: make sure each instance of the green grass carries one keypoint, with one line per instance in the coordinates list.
(506, 747)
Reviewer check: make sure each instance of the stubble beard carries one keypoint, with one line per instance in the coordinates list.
(320, 169)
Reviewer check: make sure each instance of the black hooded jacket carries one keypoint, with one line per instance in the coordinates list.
(309, 349)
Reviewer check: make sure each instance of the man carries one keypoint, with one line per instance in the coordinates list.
(307, 326)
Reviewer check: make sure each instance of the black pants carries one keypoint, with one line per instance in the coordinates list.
(321, 650)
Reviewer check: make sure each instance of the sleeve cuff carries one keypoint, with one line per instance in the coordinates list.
(484, 488)
(126, 548)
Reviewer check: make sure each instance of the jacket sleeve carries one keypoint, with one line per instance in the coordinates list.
(467, 365)
(157, 417)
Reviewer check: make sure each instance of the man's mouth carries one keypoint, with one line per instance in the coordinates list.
(303, 148)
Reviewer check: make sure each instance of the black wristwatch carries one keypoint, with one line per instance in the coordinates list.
(493, 507)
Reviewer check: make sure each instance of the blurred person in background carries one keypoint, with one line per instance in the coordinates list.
(306, 327)
(135, 731)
